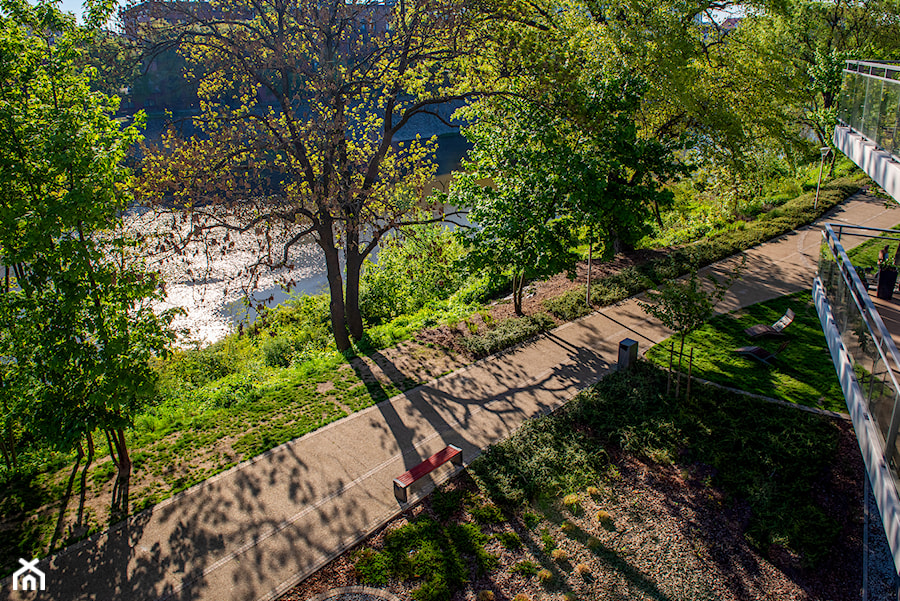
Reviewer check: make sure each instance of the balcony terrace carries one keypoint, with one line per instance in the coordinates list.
(869, 121)
(863, 334)
(862, 327)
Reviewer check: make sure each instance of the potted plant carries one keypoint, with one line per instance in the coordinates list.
(887, 273)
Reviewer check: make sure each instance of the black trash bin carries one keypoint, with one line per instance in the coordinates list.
(628, 352)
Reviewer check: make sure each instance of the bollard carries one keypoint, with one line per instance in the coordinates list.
(628, 352)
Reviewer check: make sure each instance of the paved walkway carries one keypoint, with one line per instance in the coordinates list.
(252, 532)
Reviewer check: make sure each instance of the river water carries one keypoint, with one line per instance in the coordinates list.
(212, 287)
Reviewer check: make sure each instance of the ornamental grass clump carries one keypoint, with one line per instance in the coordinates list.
(525, 567)
(572, 503)
(583, 569)
(545, 576)
(484, 596)
(521, 597)
(559, 555)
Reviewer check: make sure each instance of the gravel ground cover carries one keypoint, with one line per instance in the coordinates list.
(642, 530)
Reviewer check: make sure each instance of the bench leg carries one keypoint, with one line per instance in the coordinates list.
(457, 460)
(400, 493)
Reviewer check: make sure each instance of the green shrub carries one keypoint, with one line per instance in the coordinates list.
(526, 568)
(277, 352)
(198, 367)
(487, 514)
(302, 319)
(481, 287)
(371, 567)
(510, 540)
(607, 293)
(415, 267)
(547, 541)
(507, 333)
(430, 554)
(570, 305)
(531, 519)
(445, 504)
(469, 539)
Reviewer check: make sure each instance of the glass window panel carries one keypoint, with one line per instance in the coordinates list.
(844, 100)
(887, 120)
(861, 339)
(873, 107)
(859, 100)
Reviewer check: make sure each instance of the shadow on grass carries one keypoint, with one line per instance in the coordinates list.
(802, 373)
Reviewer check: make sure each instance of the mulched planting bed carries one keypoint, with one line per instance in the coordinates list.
(664, 533)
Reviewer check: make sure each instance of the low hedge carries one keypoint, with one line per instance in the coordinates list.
(507, 333)
(777, 222)
(569, 305)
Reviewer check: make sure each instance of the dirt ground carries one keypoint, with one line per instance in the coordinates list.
(535, 293)
(670, 536)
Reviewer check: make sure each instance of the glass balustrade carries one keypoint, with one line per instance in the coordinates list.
(869, 102)
(876, 361)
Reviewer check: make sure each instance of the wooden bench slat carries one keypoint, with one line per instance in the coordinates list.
(448, 453)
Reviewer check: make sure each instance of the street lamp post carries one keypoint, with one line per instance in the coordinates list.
(824, 150)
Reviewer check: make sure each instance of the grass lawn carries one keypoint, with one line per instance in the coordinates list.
(866, 254)
(803, 373)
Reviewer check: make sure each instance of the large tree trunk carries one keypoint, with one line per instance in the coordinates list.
(354, 269)
(335, 287)
(79, 521)
(123, 478)
(831, 164)
(619, 245)
(122, 452)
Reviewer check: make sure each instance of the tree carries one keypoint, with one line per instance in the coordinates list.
(518, 231)
(798, 49)
(567, 159)
(302, 104)
(685, 305)
(79, 330)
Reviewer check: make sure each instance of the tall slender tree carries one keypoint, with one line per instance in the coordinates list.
(79, 330)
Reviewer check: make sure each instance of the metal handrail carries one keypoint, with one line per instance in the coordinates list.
(861, 295)
(871, 317)
(840, 230)
(893, 66)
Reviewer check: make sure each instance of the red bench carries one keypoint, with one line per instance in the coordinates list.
(448, 453)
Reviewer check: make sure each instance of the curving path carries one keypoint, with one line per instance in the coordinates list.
(256, 530)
